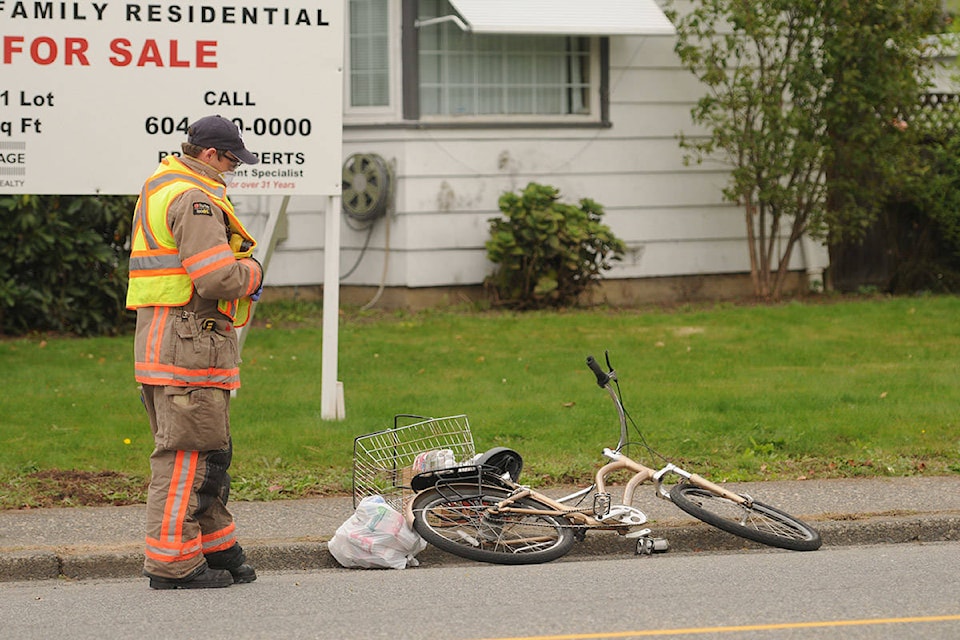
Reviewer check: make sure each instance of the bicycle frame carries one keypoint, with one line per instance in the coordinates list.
(602, 505)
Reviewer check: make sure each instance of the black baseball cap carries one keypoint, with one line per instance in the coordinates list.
(219, 133)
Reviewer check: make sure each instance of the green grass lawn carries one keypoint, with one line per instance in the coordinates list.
(845, 388)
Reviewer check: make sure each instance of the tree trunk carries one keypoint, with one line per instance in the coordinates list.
(755, 276)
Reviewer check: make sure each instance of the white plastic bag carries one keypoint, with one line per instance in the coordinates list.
(376, 536)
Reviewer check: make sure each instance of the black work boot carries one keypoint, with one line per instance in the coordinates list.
(243, 574)
(233, 560)
(203, 578)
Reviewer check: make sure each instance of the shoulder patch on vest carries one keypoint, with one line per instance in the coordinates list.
(202, 209)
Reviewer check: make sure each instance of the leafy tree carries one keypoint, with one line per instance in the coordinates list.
(875, 56)
(547, 253)
(65, 268)
(803, 97)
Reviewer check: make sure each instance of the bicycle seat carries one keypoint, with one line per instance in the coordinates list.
(468, 474)
(504, 460)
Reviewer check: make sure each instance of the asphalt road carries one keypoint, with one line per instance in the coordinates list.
(869, 592)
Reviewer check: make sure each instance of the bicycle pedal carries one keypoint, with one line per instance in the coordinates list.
(647, 546)
(601, 505)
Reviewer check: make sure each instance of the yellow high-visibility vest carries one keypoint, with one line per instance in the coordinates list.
(157, 276)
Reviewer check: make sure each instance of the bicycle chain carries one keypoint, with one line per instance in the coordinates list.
(570, 525)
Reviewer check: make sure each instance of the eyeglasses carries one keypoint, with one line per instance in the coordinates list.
(232, 158)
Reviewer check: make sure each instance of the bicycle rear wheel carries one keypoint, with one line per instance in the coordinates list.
(456, 518)
(758, 522)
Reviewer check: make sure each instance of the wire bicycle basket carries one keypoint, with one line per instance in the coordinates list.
(383, 462)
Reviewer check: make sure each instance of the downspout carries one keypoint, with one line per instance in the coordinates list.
(814, 272)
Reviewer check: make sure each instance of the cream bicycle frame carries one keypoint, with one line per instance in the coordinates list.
(618, 462)
(642, 474)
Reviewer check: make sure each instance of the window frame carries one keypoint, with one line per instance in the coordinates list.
(599, 114)
(378, 113)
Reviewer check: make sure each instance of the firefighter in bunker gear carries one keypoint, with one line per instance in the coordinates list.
(191, 288)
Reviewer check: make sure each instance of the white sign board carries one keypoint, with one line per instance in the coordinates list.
(94, 94)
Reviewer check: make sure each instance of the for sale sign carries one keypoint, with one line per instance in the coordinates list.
(94, 94)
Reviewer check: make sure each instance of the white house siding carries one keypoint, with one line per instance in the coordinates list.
(448, 181)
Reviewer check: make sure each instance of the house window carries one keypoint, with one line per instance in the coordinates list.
(466, 74)
(369, 53)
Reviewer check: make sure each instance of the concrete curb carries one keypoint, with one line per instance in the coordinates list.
(93, 563)
(891, 530)
(29, 565)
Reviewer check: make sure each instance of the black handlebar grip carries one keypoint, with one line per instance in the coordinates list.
(602, 378)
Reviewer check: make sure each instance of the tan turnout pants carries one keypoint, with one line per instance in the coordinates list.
(187, 516)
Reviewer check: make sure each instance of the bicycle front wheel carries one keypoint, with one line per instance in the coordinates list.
(758, 522)
(457, 518)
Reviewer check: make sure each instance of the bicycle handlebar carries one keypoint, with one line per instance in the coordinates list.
(603, 381)
(603, 378)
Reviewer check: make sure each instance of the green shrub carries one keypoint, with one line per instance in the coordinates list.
(547, 253)
(65, 267)
(921, 222)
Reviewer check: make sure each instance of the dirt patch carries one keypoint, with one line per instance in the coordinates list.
(72, 488)
(682, 332)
